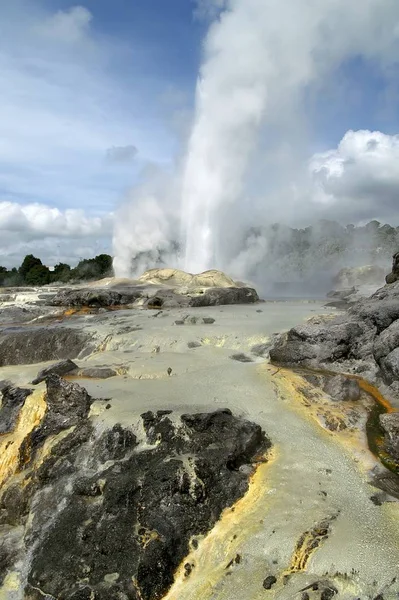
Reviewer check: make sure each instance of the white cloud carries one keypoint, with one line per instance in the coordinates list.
(358, 180)
(50, 233)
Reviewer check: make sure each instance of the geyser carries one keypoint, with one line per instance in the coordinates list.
(262, 61)
(257, 55)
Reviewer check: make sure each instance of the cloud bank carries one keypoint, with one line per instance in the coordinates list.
(53, 234)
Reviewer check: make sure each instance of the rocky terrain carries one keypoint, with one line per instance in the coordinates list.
(149, 450)
(363, 341)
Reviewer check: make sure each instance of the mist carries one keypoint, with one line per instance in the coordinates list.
(248, 160)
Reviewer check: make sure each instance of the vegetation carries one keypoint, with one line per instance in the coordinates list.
(32, 272)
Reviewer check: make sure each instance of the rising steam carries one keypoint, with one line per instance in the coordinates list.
(262, 58)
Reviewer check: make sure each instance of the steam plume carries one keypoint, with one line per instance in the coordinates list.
(261, 60)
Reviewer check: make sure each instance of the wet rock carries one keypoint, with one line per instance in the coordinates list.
(61, 368)
(127, 528)
(194, 344)
(97, 373)
(321, 342)
(41, 344)
(96, 298)
(341, 388)
(394, 274)
(364, 341)
(269, 582)
(68, 404)
(390, 424)
(240, 357)
(387, 482)
(222, 296)
(12, 400)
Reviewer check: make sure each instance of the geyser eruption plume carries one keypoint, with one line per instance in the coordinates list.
(257, 55)
(262, 60)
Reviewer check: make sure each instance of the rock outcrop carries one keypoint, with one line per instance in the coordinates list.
(364, 341)
(96, 298)
(394, 275)
(154, 297)
(107, 515)
(177, 278)
(41, 344)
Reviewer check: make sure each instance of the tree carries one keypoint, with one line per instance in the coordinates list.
(93, 268)
(62, 272)
(28, 263)
(38, 275)
(3, 274)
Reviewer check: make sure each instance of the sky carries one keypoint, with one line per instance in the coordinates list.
(97, 99)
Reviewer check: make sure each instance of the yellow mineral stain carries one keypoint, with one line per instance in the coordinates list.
(215, 550)
(314, 405)
(30, 416)
(374, 393)
(11, 583)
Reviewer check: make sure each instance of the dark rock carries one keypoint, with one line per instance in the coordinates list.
(96, 298)
(387, 482)
(269, 582)
(341, 388)
(390, 424)
(179, 322)
(12, 401)
(136, 517)
(208, 320)
(328, 593)
(222, 296)
(240, 357)
(41, 344)
(394, 275)
(312, 344)
(68, 404)
(61, 368)
(194, 344)
(97, 373)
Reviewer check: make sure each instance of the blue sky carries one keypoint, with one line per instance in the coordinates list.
(93, 93)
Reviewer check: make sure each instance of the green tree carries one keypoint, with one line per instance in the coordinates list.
(93, 268)
(3, 275)
(28, 264)
(38, 275)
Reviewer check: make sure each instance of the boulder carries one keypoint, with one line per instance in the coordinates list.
(96, 298)
(61, 368)
(227, 295)
(97, 373)
(394, 274)
(365, 340)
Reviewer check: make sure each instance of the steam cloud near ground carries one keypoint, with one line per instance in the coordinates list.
(247, 161)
